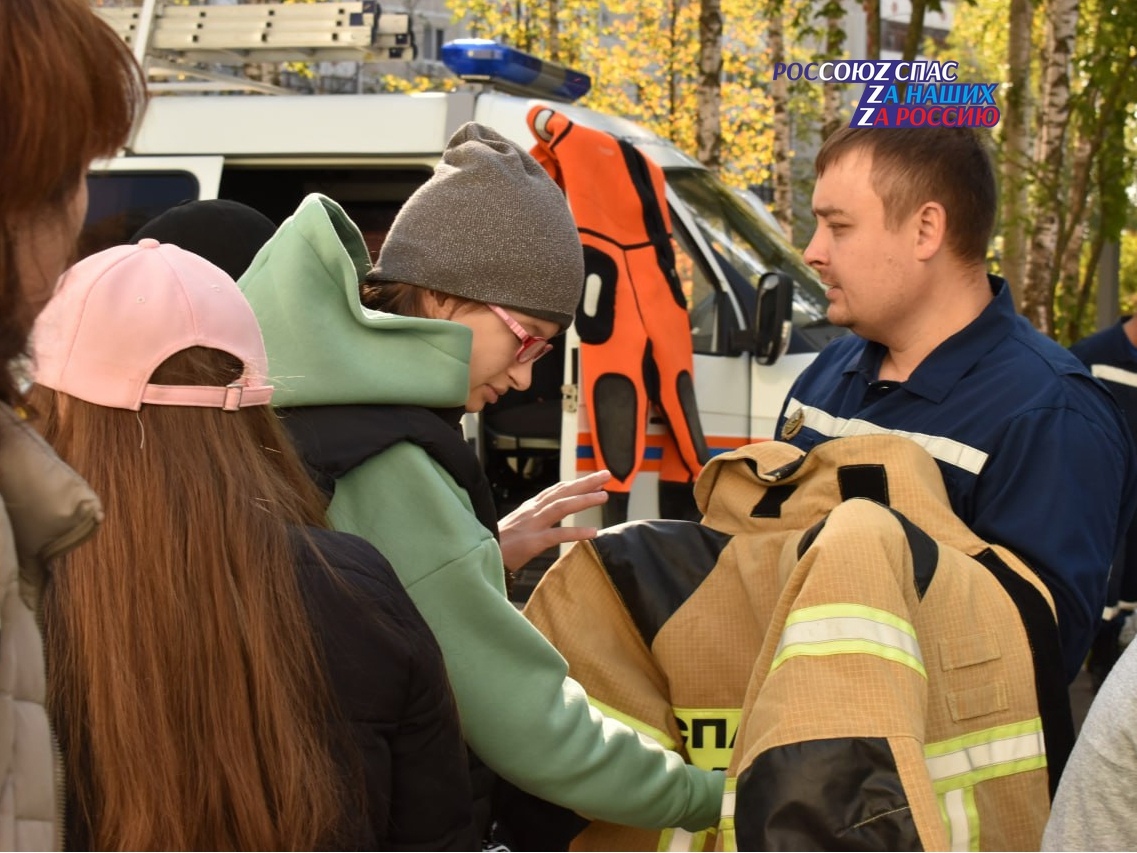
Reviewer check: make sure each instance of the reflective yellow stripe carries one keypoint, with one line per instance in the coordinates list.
(961, 817)
(682, 840)
(660, 737)
(958, 765)
(972, 819)
(955, 818)
(729, 794)
(678, 839)
(851, 647)
(989, 754)
(729, 842)
(825, 611)
(709, 734)
(841, 629)
(726, 821)
(675, 839)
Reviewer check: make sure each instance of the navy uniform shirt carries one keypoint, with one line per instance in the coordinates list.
(1034, 452)
(1113, 359)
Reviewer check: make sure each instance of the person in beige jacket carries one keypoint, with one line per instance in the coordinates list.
(70, 94)
(49, 510)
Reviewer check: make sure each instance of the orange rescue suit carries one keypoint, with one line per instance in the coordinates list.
(632, 320)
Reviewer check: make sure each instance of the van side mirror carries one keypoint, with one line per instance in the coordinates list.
(773, 317)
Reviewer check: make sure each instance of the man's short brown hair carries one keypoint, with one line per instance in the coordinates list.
(911, 166)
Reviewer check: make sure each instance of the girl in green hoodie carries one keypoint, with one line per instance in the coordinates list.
(481, 269)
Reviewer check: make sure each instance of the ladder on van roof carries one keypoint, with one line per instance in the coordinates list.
(172, 40)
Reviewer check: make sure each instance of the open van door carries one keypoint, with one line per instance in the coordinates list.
(749, 254)
(126, 193)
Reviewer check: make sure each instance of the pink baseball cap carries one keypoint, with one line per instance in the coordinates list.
(118, 314)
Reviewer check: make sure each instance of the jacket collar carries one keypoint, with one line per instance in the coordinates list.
(944, 366)
(51, 509)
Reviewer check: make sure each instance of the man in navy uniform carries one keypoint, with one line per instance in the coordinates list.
(1035, 454)
(1111, 356)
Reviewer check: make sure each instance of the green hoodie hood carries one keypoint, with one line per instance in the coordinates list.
(324, 347)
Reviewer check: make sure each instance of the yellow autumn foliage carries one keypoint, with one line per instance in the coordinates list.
(642, 56)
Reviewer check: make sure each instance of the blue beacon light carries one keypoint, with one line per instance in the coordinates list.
(512, 70)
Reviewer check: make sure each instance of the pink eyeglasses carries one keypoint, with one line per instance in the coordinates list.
(532, 347)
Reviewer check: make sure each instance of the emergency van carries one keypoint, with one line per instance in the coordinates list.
(200, 139)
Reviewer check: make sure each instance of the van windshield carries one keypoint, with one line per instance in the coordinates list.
(742, 238)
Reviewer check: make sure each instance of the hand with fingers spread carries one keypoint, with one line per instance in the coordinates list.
(532, 527)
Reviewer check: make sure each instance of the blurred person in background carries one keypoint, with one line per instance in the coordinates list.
(1111, 356)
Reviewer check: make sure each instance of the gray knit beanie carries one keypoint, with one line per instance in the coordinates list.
(490, 226)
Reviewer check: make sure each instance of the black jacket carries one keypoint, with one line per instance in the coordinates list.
(333, 440)
(395, 732)
(386, 673)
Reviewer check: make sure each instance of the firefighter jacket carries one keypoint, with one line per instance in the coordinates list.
(871, 673)
(632, 320)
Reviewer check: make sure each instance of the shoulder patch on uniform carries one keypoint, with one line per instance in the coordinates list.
(794, 422)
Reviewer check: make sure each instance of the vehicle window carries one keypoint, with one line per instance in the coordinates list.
(750, 246)
(122, 202)
(371, 196)
(697, 289)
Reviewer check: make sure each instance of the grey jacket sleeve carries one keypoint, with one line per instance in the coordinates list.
(1096, 802)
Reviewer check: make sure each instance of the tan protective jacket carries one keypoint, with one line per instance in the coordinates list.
(871, 674)
(47, 511)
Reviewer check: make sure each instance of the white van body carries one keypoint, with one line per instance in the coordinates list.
(369, 152)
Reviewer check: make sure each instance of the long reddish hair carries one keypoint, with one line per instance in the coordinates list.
(183, 676)
(70, 90)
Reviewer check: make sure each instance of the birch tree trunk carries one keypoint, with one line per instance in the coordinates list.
(1083, 287)
(708, 89)
(1039, 282)
(553, 33)
(1072, 233)
(1016, 146)
(672, 71)
(780, 95)
(1089, 142)
(872, 28)
(831, 93)
(915, 34)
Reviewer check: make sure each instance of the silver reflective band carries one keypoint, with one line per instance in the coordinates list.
(959, 821)
(956, 766)
(728, 798)
(681, 839)
(946, 450)
(1114, 374)
(852, 629)
(984, 756)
